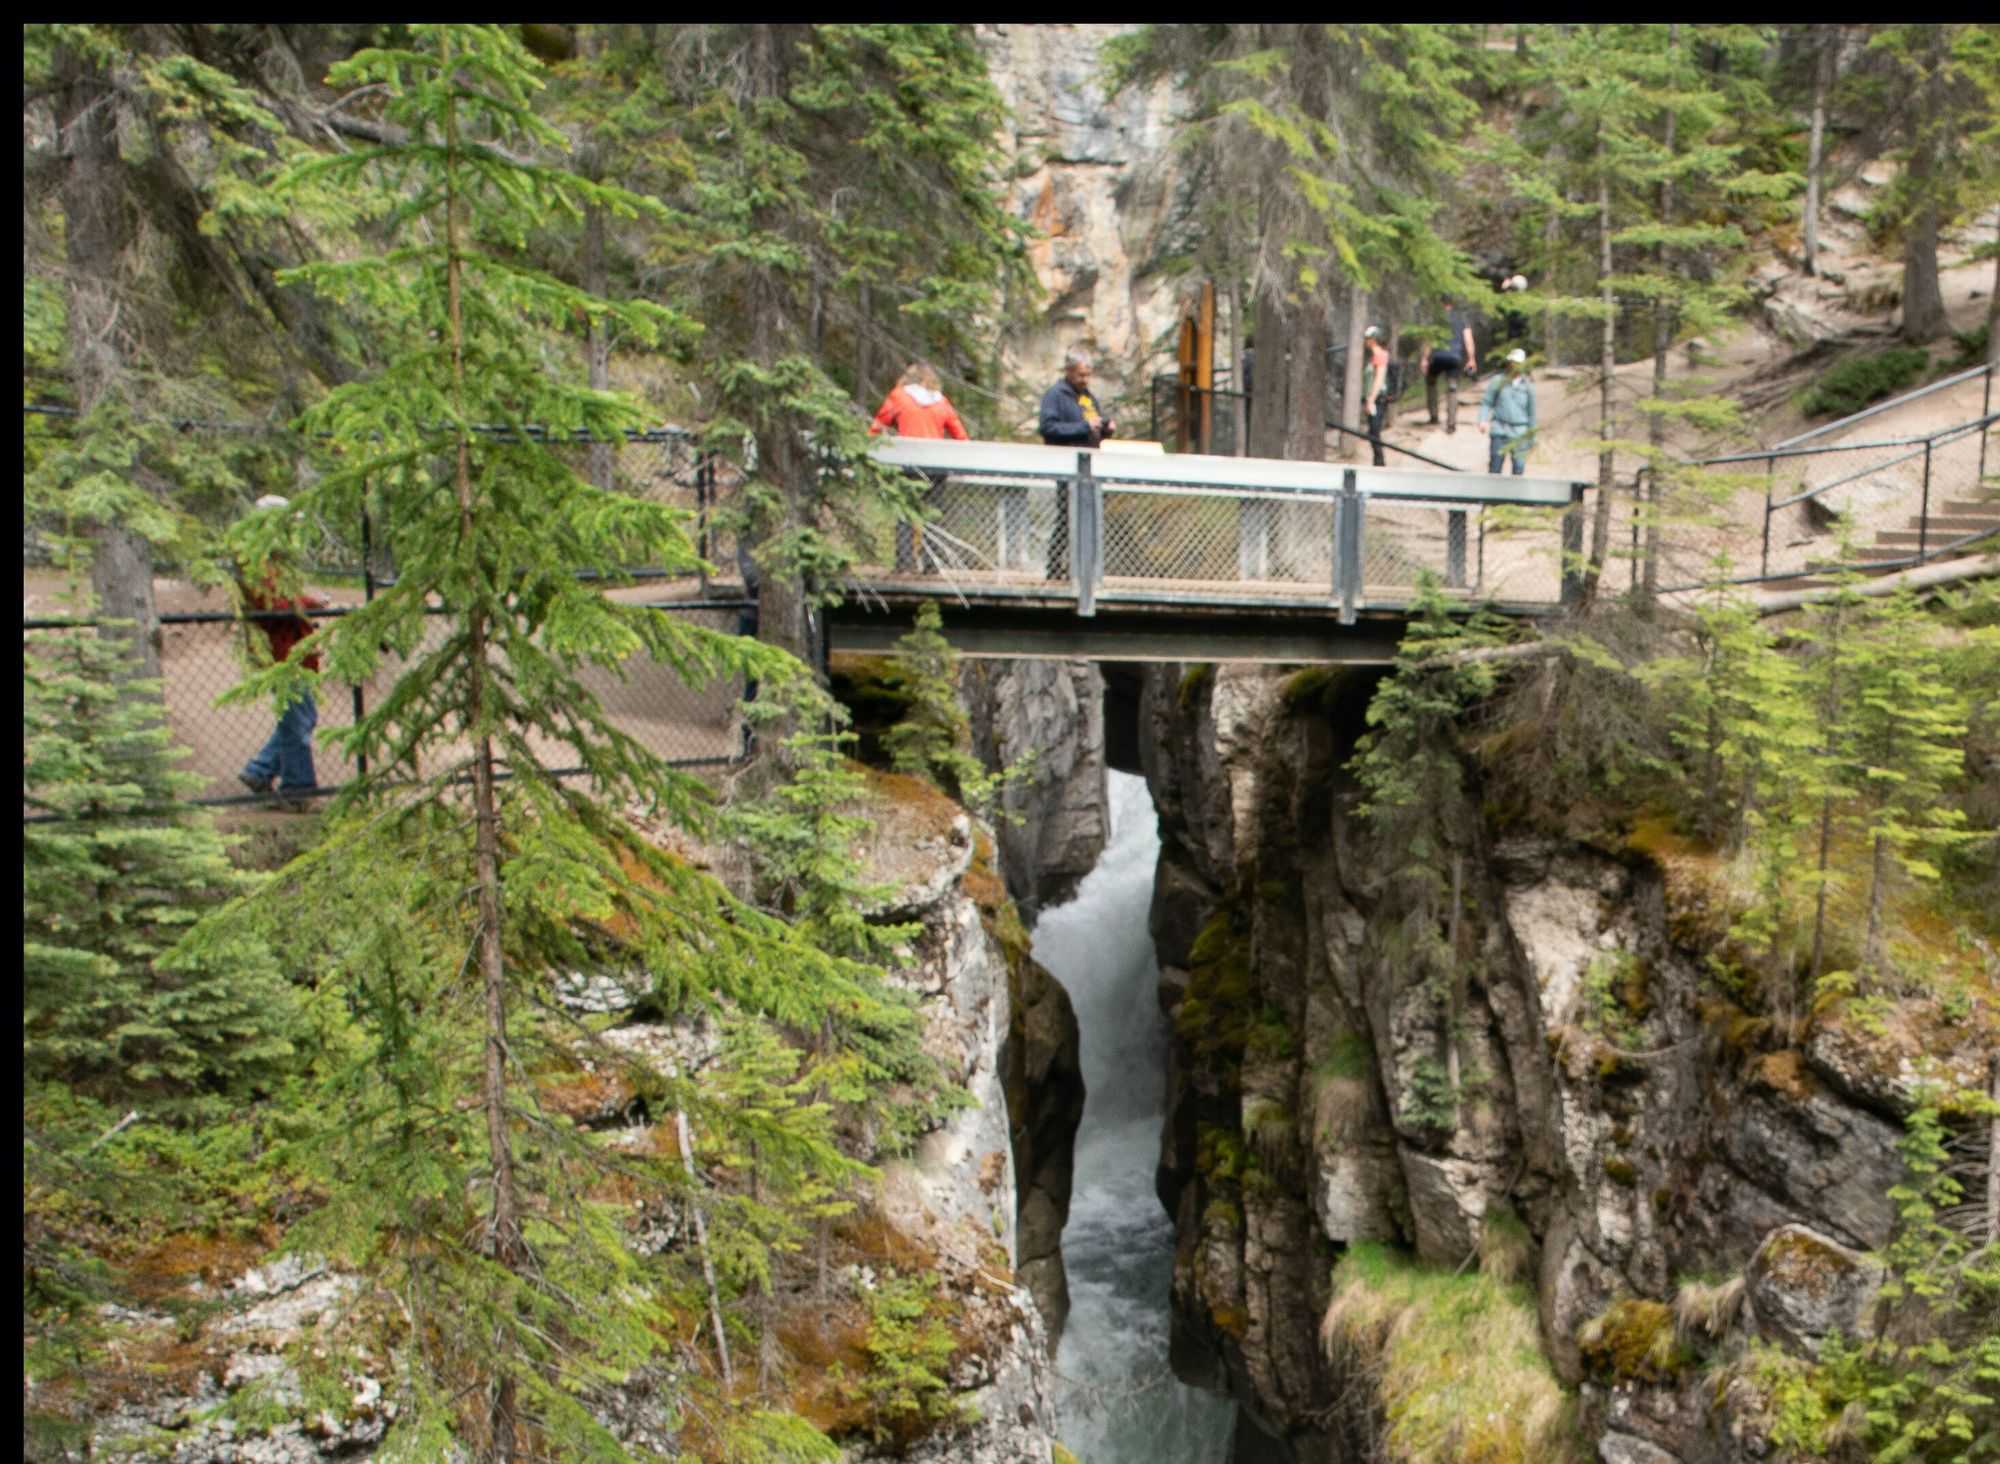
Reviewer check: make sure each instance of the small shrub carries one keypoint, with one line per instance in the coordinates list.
(1856, 382)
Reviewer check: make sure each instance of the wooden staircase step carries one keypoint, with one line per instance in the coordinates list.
(1958, 523)
(1954, 506)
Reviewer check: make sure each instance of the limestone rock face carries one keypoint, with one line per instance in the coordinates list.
(1052, 711)
(1502, 1032)
(1098, 178)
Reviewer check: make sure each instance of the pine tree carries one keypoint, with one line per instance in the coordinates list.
(1930, 94)
(115, 866)
(1908, 722)
(1635, 147)
(1333, 141)
(834, 211)
(463, 882)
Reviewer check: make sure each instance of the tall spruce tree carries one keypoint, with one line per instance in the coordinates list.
(1632, 148)
(1930, 95)
(1334, 141)
(462, 882)
(835, 210)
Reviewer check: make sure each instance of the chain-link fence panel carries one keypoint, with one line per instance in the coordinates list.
(1165, 539)
(201, 658)
(1005, 531)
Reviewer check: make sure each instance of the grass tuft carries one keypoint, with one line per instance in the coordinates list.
(1458, 1360)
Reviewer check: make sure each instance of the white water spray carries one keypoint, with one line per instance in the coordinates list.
(1119, 1403)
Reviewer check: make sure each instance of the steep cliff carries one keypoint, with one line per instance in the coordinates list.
(1516, 1064)
(1099, 180)
(215, 1372)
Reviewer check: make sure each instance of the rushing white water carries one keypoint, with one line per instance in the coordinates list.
(1119, 1403)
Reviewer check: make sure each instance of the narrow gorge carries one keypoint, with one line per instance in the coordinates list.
(1475, 1089)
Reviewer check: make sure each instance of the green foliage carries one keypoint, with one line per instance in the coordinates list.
(1429, 1099)
(1922, 1386)
(933, 737)
(1859, 380)
(1407, 763)
(115, 868)
(454, 1181)
(909, 1346)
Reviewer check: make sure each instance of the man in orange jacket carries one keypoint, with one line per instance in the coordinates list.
(916, 406)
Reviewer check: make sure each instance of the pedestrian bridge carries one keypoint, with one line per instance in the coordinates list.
(1125, 555)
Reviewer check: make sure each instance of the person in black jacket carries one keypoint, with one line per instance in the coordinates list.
(1070, 418)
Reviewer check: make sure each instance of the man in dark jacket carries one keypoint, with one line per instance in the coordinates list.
(1070, 418)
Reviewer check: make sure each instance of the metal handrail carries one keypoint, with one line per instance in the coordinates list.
(1769, 454)
(1910, 396)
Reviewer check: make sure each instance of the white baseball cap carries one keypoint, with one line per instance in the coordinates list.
(1517, 357)
(1371, 333)
(274, 500)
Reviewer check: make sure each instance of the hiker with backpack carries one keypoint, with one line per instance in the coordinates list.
(1375, 392)
(1457, 355)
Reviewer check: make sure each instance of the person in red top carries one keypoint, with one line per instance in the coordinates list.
(286, 757)
(916, 406)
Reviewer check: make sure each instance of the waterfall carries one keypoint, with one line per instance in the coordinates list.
(1118, 1402)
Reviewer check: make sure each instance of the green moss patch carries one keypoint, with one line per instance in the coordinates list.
(1634, 1341)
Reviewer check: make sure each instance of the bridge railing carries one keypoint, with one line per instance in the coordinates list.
(1005, 520)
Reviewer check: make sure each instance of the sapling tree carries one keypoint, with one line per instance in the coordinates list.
(1908, 725)
(463, 884)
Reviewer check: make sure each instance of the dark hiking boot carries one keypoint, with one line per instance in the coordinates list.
(255, 785)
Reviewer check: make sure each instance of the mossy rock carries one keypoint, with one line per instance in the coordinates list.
(1633, 1342)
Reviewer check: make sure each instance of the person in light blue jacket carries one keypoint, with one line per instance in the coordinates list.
(1507, 412)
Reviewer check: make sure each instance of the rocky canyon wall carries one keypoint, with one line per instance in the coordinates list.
(1491, 1049)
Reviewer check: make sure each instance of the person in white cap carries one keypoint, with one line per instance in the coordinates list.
(1374, 381)
(1508, 405)
(286, 757)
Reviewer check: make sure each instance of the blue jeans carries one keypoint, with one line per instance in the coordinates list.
(1504, 444)
(288, 754)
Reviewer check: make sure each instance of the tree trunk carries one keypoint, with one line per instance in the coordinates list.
(1270, 402)
(1878, 873)
(1306, 439)
(1923, 299)
(1825, 51)
(1663, 333)
(1351, 370)
(602, 470)
(1993, 312)
(504, 1229)
(1607, 360)
(1239, 426)
(97, 233)
(1993, 1156)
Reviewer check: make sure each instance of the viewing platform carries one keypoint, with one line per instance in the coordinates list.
(1126, 553)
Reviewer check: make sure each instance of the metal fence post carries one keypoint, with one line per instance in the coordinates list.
(1454, 549)
(1985, 431)
(704, 486)
(1770, 482)
(1085, 520)
(367, 596)
(1924, 512)
(1572, 547)
(1347, 531)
